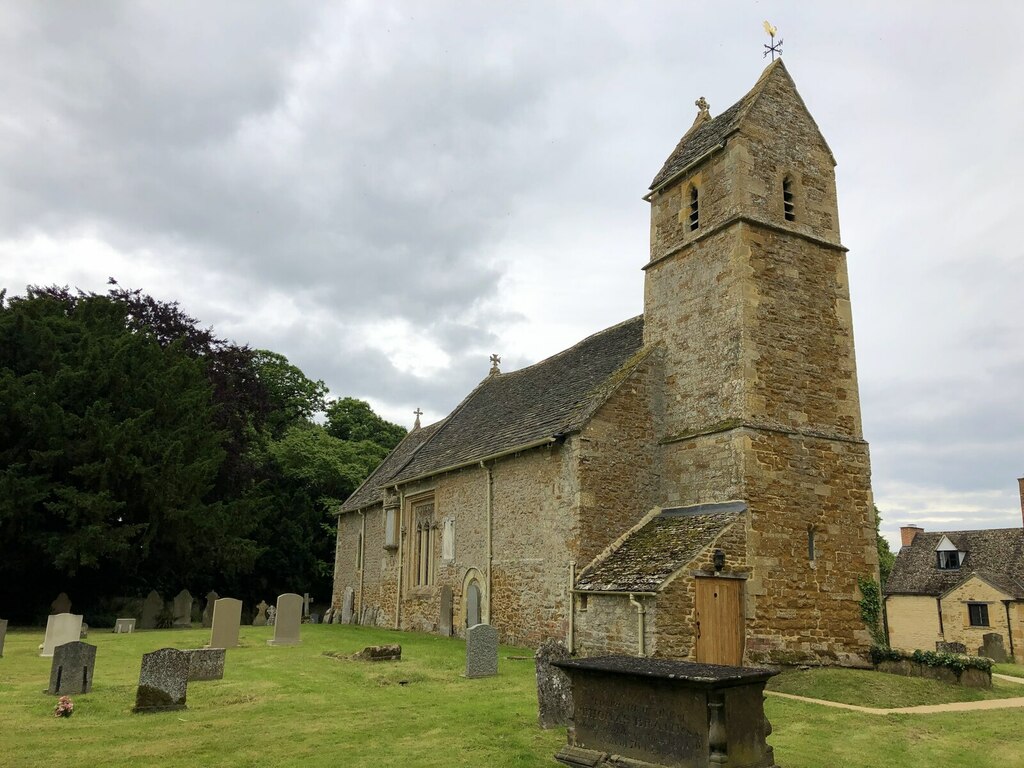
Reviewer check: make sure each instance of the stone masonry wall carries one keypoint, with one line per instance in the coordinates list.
(913, 622)
(956, 626)
(609, 625)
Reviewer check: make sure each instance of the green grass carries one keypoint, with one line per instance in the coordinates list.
(298, 706)
(1014, 670)
(881, 690)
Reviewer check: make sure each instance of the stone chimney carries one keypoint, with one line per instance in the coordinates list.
(1020, 485)
(907, 534)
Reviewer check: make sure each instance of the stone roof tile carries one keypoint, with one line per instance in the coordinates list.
(996, 554)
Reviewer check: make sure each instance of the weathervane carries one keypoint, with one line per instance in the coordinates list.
(774, 48)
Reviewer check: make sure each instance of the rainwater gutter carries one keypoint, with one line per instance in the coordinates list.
(401, 560)
(570, 637)
(490, 537)
(362, 562)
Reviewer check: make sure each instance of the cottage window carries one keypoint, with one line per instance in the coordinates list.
(977, 613)
(694, 209)
(788, 206)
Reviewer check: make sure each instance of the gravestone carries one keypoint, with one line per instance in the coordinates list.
(391, 652)
(227, 616)
(260, 619)
(554, 689)
(992, 647)
(473, 604)
(481, 651)
(657, 712)
(151, 610)
(60, 629)
(124, 626)
(211, 599)
(3, 636)
(72, 667)
(287, 619)
(183, 610)
(163, 681)
(61, 604)
(272, 615)
(83, 632)
(206, 663)
(941, 647)
(444, 624)
(328, 615)
(348, 605)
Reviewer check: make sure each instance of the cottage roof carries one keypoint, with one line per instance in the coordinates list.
(548, 400)
(996, 555)
(647, 557)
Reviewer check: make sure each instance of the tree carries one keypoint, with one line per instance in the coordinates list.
(886, 558)
(293, 398)
(353, 420)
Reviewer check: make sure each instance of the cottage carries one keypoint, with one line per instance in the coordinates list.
(690, 483)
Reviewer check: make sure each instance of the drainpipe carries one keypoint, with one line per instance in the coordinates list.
(1009, 628)
(362, 562)
(401, 559)
(490, 539)
(640, 611)
(570, 637)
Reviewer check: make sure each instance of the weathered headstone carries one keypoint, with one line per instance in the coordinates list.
(348, 605)
(83, 631)
(288, 617)
(227, 616)
(472, 604)
(61, 604)
(124, 626)
(272, 615)
(260, 619)
(163, 681)
(941, 647)
(183, 610)
(554, 689)
(992, 647)
(391, 652)
(151, 610)
(481, 651)
(306, 601)
(211, 599)
(206, 663)
(72, 668)
(329, 616)
(60, 629)
(3, 636)
(445, 622)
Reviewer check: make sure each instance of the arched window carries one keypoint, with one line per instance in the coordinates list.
(694, 209)
(788, 207)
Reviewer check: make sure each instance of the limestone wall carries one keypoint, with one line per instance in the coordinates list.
(956, 620)
(609, 624)
(913, 622)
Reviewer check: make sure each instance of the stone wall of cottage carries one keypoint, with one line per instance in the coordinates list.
(913, 622)
(608, 624)
(956, 625)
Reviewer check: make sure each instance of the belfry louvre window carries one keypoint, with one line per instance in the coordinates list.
(694, 209)
(423, 542)
(788, 206)
(977, 614)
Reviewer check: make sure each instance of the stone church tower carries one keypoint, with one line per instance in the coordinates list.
(747, 295)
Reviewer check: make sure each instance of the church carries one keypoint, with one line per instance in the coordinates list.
(691, 483)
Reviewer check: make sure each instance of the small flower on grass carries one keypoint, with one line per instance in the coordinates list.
(64, 707)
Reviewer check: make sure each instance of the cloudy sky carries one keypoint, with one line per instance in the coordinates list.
(387, 193)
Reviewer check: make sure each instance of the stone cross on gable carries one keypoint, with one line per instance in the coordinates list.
(418, 413)
(494, 365)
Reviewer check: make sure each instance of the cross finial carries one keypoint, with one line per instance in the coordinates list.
(494, 365)
(418, 413)
(774, 48)
(703, 106)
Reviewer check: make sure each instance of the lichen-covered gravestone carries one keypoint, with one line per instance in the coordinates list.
(211, 599)
(288, 617)
(348, 605)
(124, 626)
(260, 619)
(183, 610)
(993, 648)
(163, 681)
(554, 689)
(60, 629)
(227, 616)
(61, 604)
(3, 636)
(72, 668)
(151, 610)
(445, 620)
(481, 651)
(392, 652)
(206, 663)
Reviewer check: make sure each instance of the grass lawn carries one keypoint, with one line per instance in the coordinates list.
(297, 706)
(1014, 670)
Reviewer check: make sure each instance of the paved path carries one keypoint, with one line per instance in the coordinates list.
(925, 709)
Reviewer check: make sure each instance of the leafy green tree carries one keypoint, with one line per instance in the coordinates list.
(353, 420)
(886, 558)
(293, 398)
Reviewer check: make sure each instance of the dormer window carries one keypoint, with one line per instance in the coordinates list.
(694, 209)
(948, 556)
(788, 206)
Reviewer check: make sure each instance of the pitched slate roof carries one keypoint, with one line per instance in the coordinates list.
(547, 400)
(645, 558)
(996, 555)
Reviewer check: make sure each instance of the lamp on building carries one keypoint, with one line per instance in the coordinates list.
(719, 560)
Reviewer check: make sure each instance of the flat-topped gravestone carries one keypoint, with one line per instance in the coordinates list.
(287, 619)
(183, 610)
(444, 623)
(260, 619)
(151, 610)
(3, 636)
(348, 605)
(391, 652)
(481, 651)
(206, 663)
(211, 599)
(227, 616)
(124, 626)
(60, 629)
(71, 669)
(554, 689)
(656, 712)
(61, 604)
(993, 648)
(163, 681)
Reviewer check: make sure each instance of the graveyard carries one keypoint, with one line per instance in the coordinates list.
(311, 704)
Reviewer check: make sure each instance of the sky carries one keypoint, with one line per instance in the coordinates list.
(389, 192)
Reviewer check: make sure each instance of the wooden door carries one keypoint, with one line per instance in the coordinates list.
(719, 623)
